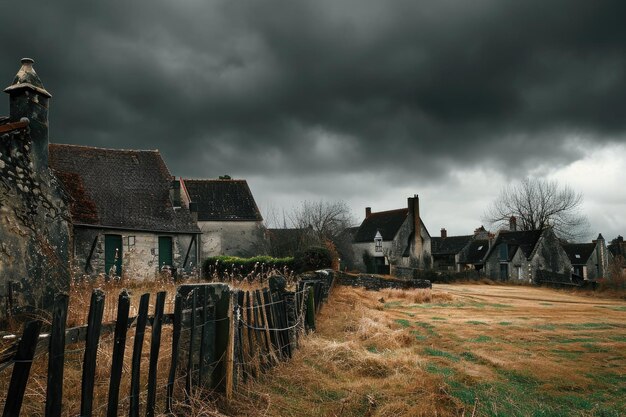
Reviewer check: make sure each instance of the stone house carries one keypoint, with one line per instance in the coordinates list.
(127, 216)
(228, 217)
(589, 260)
(34, 222)
(527, 256)
(446, 251)
(392, 239)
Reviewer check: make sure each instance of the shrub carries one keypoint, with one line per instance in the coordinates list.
(312, 259)
(244, 266)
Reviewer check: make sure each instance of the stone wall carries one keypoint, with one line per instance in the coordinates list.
(233, 238)
(140, 252)
(374, 282)
(34, 225)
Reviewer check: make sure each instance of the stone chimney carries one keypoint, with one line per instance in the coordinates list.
(193, 210)
(28, 98)
(368, 212)
(444, 233)
(602, 256)
(175, 193)
(414, 214)
(513, 224)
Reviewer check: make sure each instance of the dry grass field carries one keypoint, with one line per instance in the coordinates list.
(462, 350)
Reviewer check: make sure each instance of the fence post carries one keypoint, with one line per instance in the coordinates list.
(178, 313)
(119, 345)
(310, 309)
(192, 339)
(94, 324)
(155, 345)
(140, 330)
(56, 356)
(21, 368)
(229, 362)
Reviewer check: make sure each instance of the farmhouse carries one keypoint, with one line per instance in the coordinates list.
(34, 226)
(446, 251)
(126, 211)
(228, 217)
(527, 256)
(393, 239)
(589, 260)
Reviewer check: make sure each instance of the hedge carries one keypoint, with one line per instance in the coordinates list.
(244, 266)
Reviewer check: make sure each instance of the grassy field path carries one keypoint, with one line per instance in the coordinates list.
(460, 350)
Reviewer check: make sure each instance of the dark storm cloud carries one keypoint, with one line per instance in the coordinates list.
(272, 87)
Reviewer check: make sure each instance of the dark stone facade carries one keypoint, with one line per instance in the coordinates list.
(34, 226)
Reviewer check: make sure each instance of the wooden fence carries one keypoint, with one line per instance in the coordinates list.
(220, 336)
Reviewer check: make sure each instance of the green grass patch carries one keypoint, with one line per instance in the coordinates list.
(568, 354)
(567, 340)
(545, 327)
(505, 323)
(433, 368)
(588, 326)
(618, 338)
(476, 322)
(470, 357)
(545, 304)
(392, 304)
(480, 339)
(403, 323)
(594, 348)
(497, 305)
(614, 308)
(518, 377)
(439, 318)
(418, 336)
(372, 349)
(441, 354)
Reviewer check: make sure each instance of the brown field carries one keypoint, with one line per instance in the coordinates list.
(464, 350)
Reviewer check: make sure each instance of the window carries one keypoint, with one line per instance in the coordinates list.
(504, 252)
(378, 245)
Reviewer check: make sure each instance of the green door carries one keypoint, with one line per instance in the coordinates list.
(113, 253)
(165, 251)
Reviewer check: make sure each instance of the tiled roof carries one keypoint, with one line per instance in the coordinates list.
(579, 253)
(223, 200)
(524, 240)
(476, 252)
(126, 189)
(448, 245)
(386, 222)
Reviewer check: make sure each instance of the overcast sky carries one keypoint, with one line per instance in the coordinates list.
(365, 101)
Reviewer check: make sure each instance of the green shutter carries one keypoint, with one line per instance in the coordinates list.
(113, 248)
(165, 251)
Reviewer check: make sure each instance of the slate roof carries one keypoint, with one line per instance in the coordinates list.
(448, 245)
(125, 189)
(223, 200)
(583, 250)
(386, 222)
(524, 240)
(476, 252)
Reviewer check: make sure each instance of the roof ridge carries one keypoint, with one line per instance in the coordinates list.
(215, 179)
(103, 149)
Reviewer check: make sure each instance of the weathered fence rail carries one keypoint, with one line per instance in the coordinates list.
(220, 337)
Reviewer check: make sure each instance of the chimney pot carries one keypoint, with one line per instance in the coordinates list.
(513, 224)
(444, 233)
(368, 212)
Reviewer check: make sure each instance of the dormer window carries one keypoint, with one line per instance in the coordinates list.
(577, 256)
(378, 242)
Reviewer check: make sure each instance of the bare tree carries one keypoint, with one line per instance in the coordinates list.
(326, 219)
(538, 204)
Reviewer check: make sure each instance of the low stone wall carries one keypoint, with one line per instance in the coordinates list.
(375, 282)
(403, 272)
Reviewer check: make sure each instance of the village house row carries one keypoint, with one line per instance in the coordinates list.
(69, 210)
